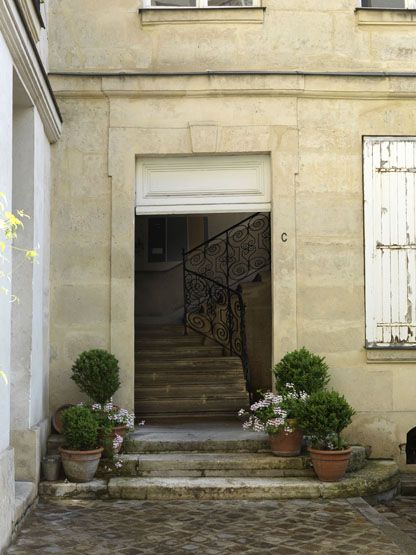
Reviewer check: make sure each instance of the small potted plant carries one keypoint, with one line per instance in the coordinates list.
(301, 372)
(323, 416)
(269, 414)
(80, 454)
(114, 422)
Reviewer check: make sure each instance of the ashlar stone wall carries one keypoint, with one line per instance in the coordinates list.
(313, 128)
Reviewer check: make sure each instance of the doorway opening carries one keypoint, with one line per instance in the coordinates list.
(203, 322)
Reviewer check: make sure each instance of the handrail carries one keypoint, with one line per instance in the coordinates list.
(212, 276)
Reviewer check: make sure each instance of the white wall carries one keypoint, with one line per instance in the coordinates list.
(23, 170)
(40, 318)
(6, 72)
(6, 455)
(30, 284)
(217, 223)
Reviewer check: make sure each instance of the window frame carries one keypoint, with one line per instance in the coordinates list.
(166, 219)
(409, 5)
(200, 5)
(372, 230)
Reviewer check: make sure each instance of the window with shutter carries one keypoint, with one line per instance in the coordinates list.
(390, 241)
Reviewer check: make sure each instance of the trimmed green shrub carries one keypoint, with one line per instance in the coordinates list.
(80, 429)
(96, 373)
(323, 416)
(301, 371)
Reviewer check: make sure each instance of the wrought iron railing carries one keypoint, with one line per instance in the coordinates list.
(212, 277)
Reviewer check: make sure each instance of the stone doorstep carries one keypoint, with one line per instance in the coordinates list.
(207, 465)
(221, 464)
(376, 478)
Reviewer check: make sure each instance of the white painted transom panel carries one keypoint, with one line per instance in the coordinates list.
(390, 240)
(199, 184)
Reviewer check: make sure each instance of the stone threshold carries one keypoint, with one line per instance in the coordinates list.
(375, 480)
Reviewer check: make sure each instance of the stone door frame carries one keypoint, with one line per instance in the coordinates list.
(125, 145)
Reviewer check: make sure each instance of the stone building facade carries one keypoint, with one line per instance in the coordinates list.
(317, 96)
(304, 82)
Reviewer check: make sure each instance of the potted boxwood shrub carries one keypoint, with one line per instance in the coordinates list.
(269, 415)
(96, 373)
(323, 416)
(297, 375)
(301, 372)
(80, 453)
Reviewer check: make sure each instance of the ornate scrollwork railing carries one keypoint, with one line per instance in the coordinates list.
(235, 254)
(213, 272)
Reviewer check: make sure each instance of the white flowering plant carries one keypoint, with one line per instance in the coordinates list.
(271, 413)
(111, 416)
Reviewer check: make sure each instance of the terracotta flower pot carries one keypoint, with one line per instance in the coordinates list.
(56, 418)
(330, 466)
(109, 450)
(80, 466)
(286, 444)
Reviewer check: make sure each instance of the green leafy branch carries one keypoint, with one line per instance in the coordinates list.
(10, 224)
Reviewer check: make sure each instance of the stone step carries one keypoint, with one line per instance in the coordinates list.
(168, 341)
(175, 330)
(191, 390)
(200, 363)
(165, 418)
(178, 353)
(207, 465)
(179, 379)
(202, 437)
(376, 479)
(197, 405)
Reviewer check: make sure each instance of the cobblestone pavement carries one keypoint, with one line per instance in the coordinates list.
(200, 527)
(402, 513)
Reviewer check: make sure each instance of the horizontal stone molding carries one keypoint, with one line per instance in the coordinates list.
(398, 355)
(372, 87)
(386, 17)
(189, 16)
(29, 68)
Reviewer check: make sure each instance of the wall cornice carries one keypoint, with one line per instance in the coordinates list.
(29, 67)
(300, 86)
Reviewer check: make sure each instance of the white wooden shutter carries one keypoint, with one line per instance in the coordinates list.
(390, 240)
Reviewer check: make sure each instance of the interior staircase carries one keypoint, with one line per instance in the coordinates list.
(185, 376)
(201, 368)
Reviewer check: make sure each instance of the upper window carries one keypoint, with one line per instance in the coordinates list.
(390, 241)
(200, 3)
(398, 4)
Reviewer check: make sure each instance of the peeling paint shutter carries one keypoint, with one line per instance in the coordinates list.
(390, 240)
